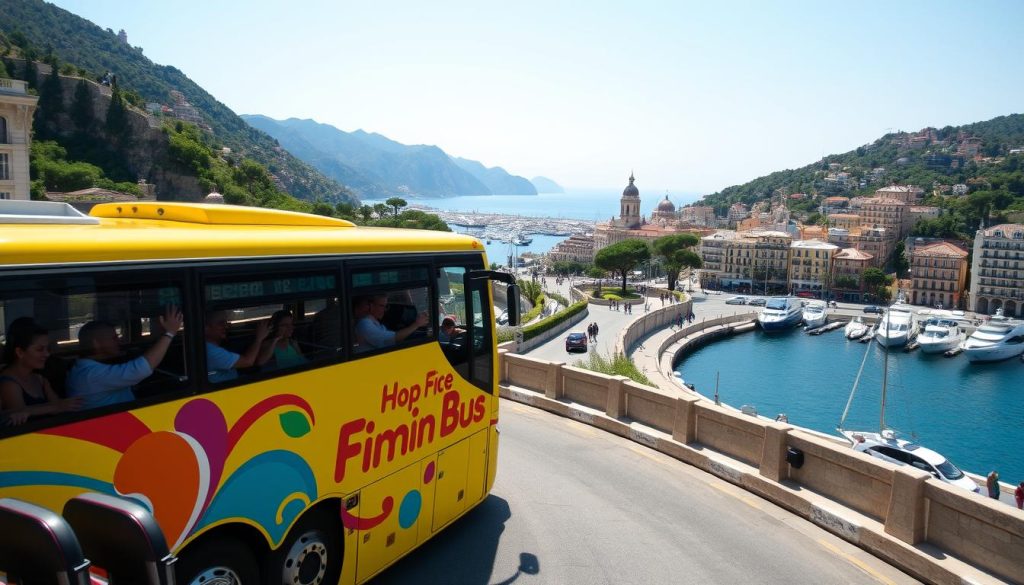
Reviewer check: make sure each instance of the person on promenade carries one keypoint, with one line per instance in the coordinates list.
(595, 331)
(1018, 494)
(98, 380)
(992, 482)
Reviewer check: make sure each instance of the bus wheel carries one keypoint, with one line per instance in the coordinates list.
(220, 562)
(311, 555)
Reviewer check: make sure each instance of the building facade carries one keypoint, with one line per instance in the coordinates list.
(997, 271)
(16, 110)
(756, 261)
(577, 248)
(848, 267)
(630, 224)
(810, 265)
(905, 193)
(938, 274)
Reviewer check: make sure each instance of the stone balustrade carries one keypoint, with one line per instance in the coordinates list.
(934, 531)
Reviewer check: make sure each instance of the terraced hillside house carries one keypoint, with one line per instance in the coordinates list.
(997, 270)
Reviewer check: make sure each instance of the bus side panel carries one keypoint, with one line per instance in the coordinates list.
(384, 542)
(478, 472)
(452, 471)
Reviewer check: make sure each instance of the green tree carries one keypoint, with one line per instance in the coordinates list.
(321, 208)
(82, 114)
(873, 277)
(51, 99)
(366, 212)
(381, 210)
(677, 253)
(899, 258)
(397, 203)
(118, 126)
(622, 257)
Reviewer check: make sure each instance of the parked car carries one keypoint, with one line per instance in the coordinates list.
(576, 342)
(806, 294)
(736, 300)
(757, 302)
(874, 309)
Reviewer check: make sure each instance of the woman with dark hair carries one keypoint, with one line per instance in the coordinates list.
(23, 392)
(286, 351)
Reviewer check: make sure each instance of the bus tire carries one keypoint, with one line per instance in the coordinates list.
(311, 554)
(224, 561)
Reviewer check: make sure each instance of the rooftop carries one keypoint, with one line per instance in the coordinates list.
(940, 249)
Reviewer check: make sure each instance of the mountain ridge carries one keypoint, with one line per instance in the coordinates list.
(387, 167)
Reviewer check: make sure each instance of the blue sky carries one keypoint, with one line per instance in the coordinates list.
(691, 96)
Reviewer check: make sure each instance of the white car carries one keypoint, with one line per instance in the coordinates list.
(887, 447)
(736, 300)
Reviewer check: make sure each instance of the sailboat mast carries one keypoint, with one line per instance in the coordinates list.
(885, 373)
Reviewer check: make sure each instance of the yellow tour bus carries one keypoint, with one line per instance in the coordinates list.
(295, 399)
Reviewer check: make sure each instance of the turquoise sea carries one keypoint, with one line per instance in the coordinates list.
(971, 413)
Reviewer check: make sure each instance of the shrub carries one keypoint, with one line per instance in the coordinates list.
(535, 329)
(617, 365)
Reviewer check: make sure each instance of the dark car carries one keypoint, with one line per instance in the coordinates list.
(576, 341)
(758, 301)
(874, 309)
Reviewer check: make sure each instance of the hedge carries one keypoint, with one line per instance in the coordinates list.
(531, 331)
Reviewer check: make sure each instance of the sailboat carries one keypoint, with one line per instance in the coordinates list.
(886, 444)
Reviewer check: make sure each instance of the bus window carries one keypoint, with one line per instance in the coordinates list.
(107, 346)
(390, 307)
(452, 333)
(256, 323)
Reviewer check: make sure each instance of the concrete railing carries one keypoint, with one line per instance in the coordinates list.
(656, 319)
(934, 531)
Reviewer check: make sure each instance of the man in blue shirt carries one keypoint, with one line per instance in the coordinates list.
(374, 335)
(223, 364)
(100, 383)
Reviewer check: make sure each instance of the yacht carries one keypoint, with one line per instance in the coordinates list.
(856, 328)
(887, 446)
(897, 326)
(998, 339)
(814, 314)
(940, 334)
(780, 313)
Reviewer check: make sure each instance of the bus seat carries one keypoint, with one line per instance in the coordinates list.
(55, 370)
(121, 537)
(38, 546)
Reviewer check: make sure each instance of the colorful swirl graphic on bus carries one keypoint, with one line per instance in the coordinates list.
(178, 474)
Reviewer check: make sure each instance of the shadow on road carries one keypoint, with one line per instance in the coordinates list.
(463, 553)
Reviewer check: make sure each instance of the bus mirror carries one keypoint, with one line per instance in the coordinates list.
(512, 294)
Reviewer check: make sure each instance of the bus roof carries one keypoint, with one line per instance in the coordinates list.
(31, 235)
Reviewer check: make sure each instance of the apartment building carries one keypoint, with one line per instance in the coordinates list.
(905, 193)
(873, 241)
(810, 265)
(756, 260)
(938, 274)
(712, 249)
(16, 109)
(887, 213)
(577, 248)
(848, 267)
(997, 270)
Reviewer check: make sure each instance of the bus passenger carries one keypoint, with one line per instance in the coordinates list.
(102, 383)
(23, 392)
(448, 330)
(285, 351)
(223, 365)
(371, 330)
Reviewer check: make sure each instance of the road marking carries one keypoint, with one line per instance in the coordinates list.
(856, 562)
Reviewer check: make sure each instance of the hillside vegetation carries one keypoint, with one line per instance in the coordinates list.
(47, 33)
(984, 156)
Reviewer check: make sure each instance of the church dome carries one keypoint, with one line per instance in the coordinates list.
(631, 190)
(666, 206)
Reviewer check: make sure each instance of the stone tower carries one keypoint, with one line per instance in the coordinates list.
(629, 206)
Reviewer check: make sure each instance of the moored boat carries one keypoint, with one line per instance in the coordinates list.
(940, 335)
(999, 339)
(814, 314)
(856, 328)
(897, 326)
(780, 313)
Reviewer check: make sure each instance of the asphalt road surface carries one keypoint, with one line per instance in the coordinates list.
(573, 504)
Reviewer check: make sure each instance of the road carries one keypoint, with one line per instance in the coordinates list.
(573, 504)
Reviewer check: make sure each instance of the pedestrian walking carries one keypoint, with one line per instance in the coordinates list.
(595, 331)
(1018, 494)
(992, 482)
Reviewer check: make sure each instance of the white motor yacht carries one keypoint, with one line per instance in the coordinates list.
(897, 326)
(856, 328)
(780, 313)
(888, 447)
(940, 334)
(998, 339)
(815, 314)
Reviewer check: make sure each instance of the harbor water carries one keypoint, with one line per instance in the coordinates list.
(971, 413)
